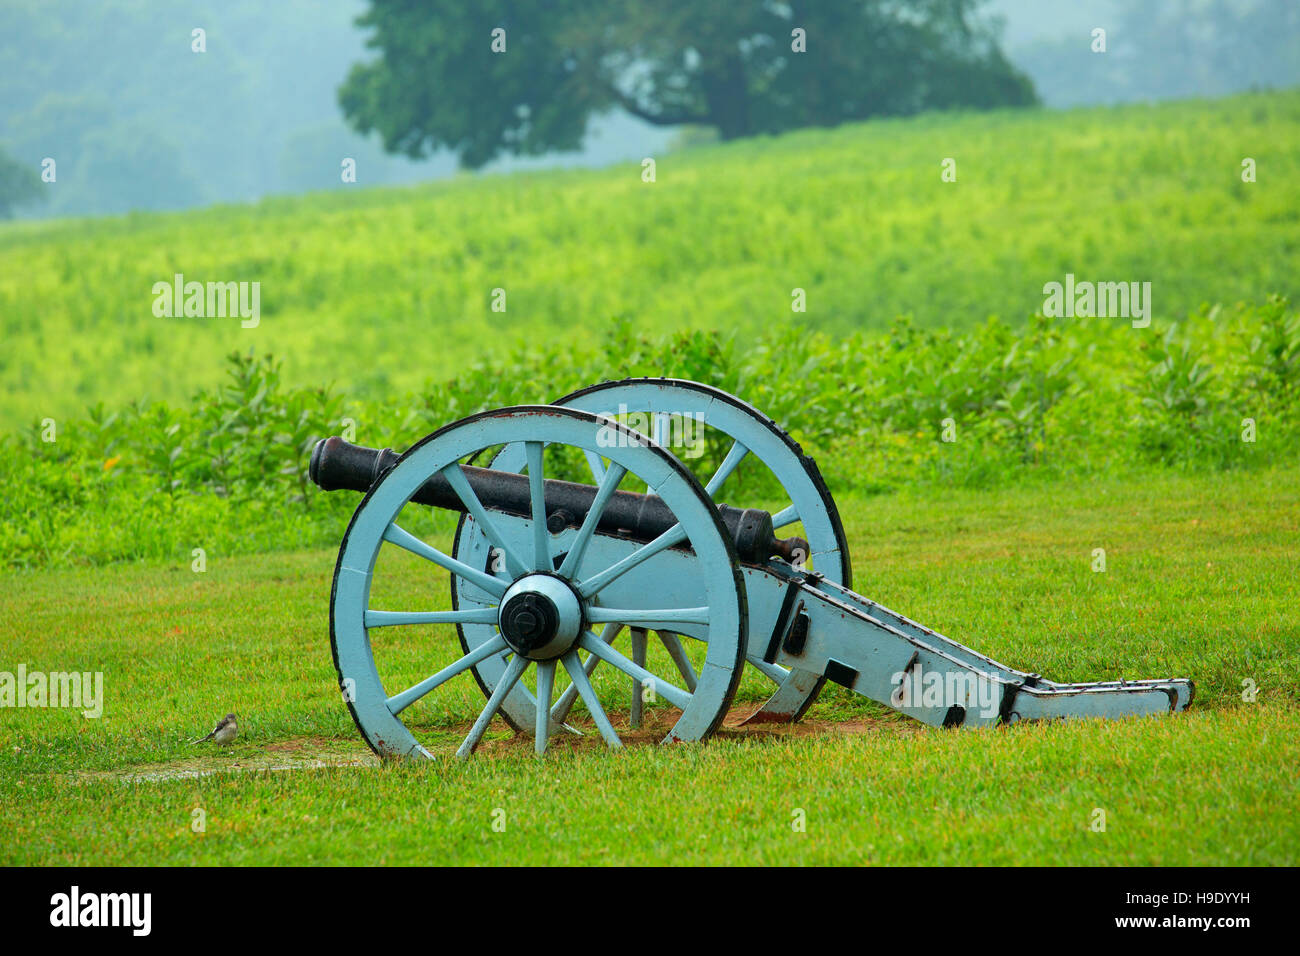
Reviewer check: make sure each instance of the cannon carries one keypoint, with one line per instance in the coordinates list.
(550, 575)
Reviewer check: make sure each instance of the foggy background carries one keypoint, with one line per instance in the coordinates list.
(135, 120)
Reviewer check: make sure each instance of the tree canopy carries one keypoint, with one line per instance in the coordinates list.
(512, 76)
(19, 185)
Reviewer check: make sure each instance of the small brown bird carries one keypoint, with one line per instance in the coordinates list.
(222, 734)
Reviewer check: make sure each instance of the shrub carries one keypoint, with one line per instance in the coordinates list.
(228, 470)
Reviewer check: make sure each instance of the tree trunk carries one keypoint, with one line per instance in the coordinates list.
(727, 96)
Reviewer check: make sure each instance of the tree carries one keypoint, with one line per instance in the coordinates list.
(437, 82)
(19, 185)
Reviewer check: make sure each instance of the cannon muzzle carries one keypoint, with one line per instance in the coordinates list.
(337, 464)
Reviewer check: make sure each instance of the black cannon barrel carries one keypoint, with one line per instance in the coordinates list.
(337, 464)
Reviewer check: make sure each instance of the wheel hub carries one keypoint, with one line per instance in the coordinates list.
(540, 617)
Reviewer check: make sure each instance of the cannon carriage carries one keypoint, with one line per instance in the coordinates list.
(552, 575)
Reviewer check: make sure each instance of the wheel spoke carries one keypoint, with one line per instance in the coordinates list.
(671, 693)
(659, 429)
(595, 464)
(622, 615)
(608, 483)
(484, 615)
(674, 535)
(580, 681)
(773, 672)
(785, 517)
(734, 456)
(404, 539)
(678, 654)
(537, 493)
(545, 684)
(507, 683)
(399, 702)
(562, 706)
(460, 484)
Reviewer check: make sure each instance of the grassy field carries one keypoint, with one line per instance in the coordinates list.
(380, 290)
(1202, 580)
(978, 463)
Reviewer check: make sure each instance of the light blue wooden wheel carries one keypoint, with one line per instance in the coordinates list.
(574, 585)
(665, 402)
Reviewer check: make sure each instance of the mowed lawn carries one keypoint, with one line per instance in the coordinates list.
(1202, 579)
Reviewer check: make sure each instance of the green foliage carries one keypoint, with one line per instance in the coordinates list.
(1178, 414)
(1274, 359)
(439, 82)
(238, 441)
(909, 407)
(19, 185)
(390, 321)
(1199, 393)
(378, 291)
(151, 478)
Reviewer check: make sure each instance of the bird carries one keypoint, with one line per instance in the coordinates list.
(223, 733)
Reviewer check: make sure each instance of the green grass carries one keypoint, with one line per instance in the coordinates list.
(1071, 436)
(1202, 580)
(381, 290)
